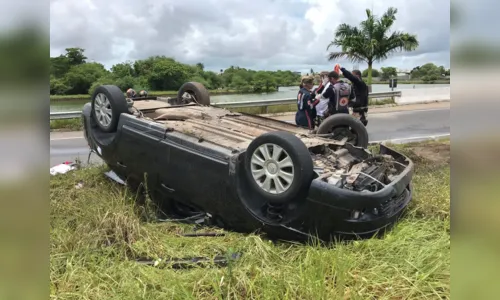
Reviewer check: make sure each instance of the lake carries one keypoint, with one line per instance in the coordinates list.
(283, 93)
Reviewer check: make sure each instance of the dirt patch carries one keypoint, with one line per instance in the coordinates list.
(434, 152)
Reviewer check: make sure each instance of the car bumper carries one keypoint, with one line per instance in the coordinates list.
(341, 212)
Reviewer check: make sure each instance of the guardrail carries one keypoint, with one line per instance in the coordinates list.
(252, 103)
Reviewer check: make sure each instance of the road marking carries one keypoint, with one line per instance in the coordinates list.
(427, 137)
(68, 138)
(406, 111)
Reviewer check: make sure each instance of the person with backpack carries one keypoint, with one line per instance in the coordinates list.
(339, 94)
(360, 105)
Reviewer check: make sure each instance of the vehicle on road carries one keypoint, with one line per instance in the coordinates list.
(246, 172)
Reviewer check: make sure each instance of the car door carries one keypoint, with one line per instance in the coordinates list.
(138, 150)
(193, 174)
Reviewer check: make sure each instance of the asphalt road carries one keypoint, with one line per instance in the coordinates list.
(397, 126)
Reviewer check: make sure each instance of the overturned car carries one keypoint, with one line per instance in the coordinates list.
(248, 173)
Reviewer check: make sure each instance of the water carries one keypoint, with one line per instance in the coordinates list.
(283, 93)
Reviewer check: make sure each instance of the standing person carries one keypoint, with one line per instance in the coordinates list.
(321, 103)
(305, 109)
(360, 105)
(338, 94)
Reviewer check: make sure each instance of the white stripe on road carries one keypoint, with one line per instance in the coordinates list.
(426, 137)
(68, 138)
(406, 111)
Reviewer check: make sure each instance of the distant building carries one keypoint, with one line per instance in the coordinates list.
(297, 73)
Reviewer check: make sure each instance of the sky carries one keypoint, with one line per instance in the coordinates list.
(257, 34)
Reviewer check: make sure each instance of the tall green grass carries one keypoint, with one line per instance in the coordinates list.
(97, 231)
(66, 124)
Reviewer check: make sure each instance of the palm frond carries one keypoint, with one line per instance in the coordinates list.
(351, 56)
(384, 24)
(346, 30)
(397, 41)
(389, 15)
(369, 13)
(371, 41)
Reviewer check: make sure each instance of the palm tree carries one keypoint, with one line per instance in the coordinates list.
(372, 41)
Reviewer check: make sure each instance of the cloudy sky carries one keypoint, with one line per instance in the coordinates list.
(256, 34)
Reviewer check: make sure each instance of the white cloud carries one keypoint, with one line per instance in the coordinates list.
(258, 34)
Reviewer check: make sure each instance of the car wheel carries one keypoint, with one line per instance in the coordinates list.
(193, 92)
(342, 126)
(108, 103)
(278, 166)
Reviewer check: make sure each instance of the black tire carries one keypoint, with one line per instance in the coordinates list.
(117, 104)
(197, 90)
(350, 126)
(301, 160)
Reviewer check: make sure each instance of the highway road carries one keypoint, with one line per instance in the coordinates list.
(399, 126)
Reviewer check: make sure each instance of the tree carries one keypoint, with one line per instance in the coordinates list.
(81, 77)
(428, 69)
(388, 72)
(59, 66)
(263, 81)
(372, 41)
(375, 73)
(428, 73)
(71, 74)
(123, 69)
(58, 86)
(75, 56)
(442, 71)
(167, 74)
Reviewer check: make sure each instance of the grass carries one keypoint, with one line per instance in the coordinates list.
(66, 125)
(96, 231)
(75, 124)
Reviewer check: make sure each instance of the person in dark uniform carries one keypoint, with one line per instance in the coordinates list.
(305, 108)
(360, 105)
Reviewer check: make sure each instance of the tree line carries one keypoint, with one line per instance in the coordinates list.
(427, 73)
(72, 74)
